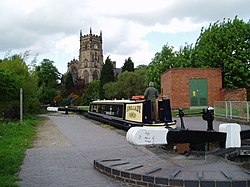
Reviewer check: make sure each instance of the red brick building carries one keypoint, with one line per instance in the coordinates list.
(192, 87)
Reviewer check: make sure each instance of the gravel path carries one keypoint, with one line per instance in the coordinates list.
(48, 135)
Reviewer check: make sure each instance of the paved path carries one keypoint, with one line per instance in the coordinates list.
(72, 165)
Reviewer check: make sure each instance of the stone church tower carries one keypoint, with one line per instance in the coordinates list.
(88, 67)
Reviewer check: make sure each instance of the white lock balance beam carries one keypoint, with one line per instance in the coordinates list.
(147, 135)
(52, 109)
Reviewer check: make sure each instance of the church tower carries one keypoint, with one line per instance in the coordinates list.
(88, 67)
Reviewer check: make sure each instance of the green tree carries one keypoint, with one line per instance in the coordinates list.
(107, 75)
(112, 91)
(141, 67)
(9, 89)
(226, 45)
(128, 65)
(15, 74)
(161, 62)
(127, 85)
(69, 83)
(47, 73)
(183, 58)
(8, 85)
(48, 77)
(91, 92)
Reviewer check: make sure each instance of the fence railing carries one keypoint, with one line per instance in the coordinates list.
(233, 109)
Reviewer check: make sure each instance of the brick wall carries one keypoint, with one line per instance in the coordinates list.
(175, 85)
(235, 95)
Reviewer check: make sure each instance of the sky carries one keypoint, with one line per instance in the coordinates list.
(50, 29)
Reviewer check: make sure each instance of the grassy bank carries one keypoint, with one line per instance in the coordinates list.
(15, 138)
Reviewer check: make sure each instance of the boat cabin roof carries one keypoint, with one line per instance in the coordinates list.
(111, 101)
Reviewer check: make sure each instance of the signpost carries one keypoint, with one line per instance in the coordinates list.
(21, 105)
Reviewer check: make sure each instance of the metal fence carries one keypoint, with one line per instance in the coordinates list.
(233, 109)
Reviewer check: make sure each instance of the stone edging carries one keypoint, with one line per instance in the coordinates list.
(148, 179)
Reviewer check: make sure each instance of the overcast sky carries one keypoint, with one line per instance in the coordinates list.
(130, 28)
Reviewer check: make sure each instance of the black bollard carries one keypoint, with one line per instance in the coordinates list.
(208, 115)
(181, 115)
(66, 110)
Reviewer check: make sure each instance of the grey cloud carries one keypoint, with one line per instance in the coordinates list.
(198, 10)
(46, 25)
(212, 10)
(20, 30)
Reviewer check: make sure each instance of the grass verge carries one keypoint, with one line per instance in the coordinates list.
(15, 138)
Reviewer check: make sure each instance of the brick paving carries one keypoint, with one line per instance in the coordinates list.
(74, 165)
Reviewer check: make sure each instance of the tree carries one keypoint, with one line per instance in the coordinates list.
(9, 100)
(128, 65)
(47, 73)
(141, 67)
(69, 83)
(48, 77)
(15, 74)
(127, 85)
(183, 58)
(91, 92)
(8, 86)
(161, 62)
(226, 45)
(107, 75)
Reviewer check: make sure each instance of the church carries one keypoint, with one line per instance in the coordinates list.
(88, 67)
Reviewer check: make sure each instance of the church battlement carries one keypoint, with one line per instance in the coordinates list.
(74, 61)
(91, 35)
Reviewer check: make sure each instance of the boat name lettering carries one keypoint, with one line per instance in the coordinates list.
(134, 108)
